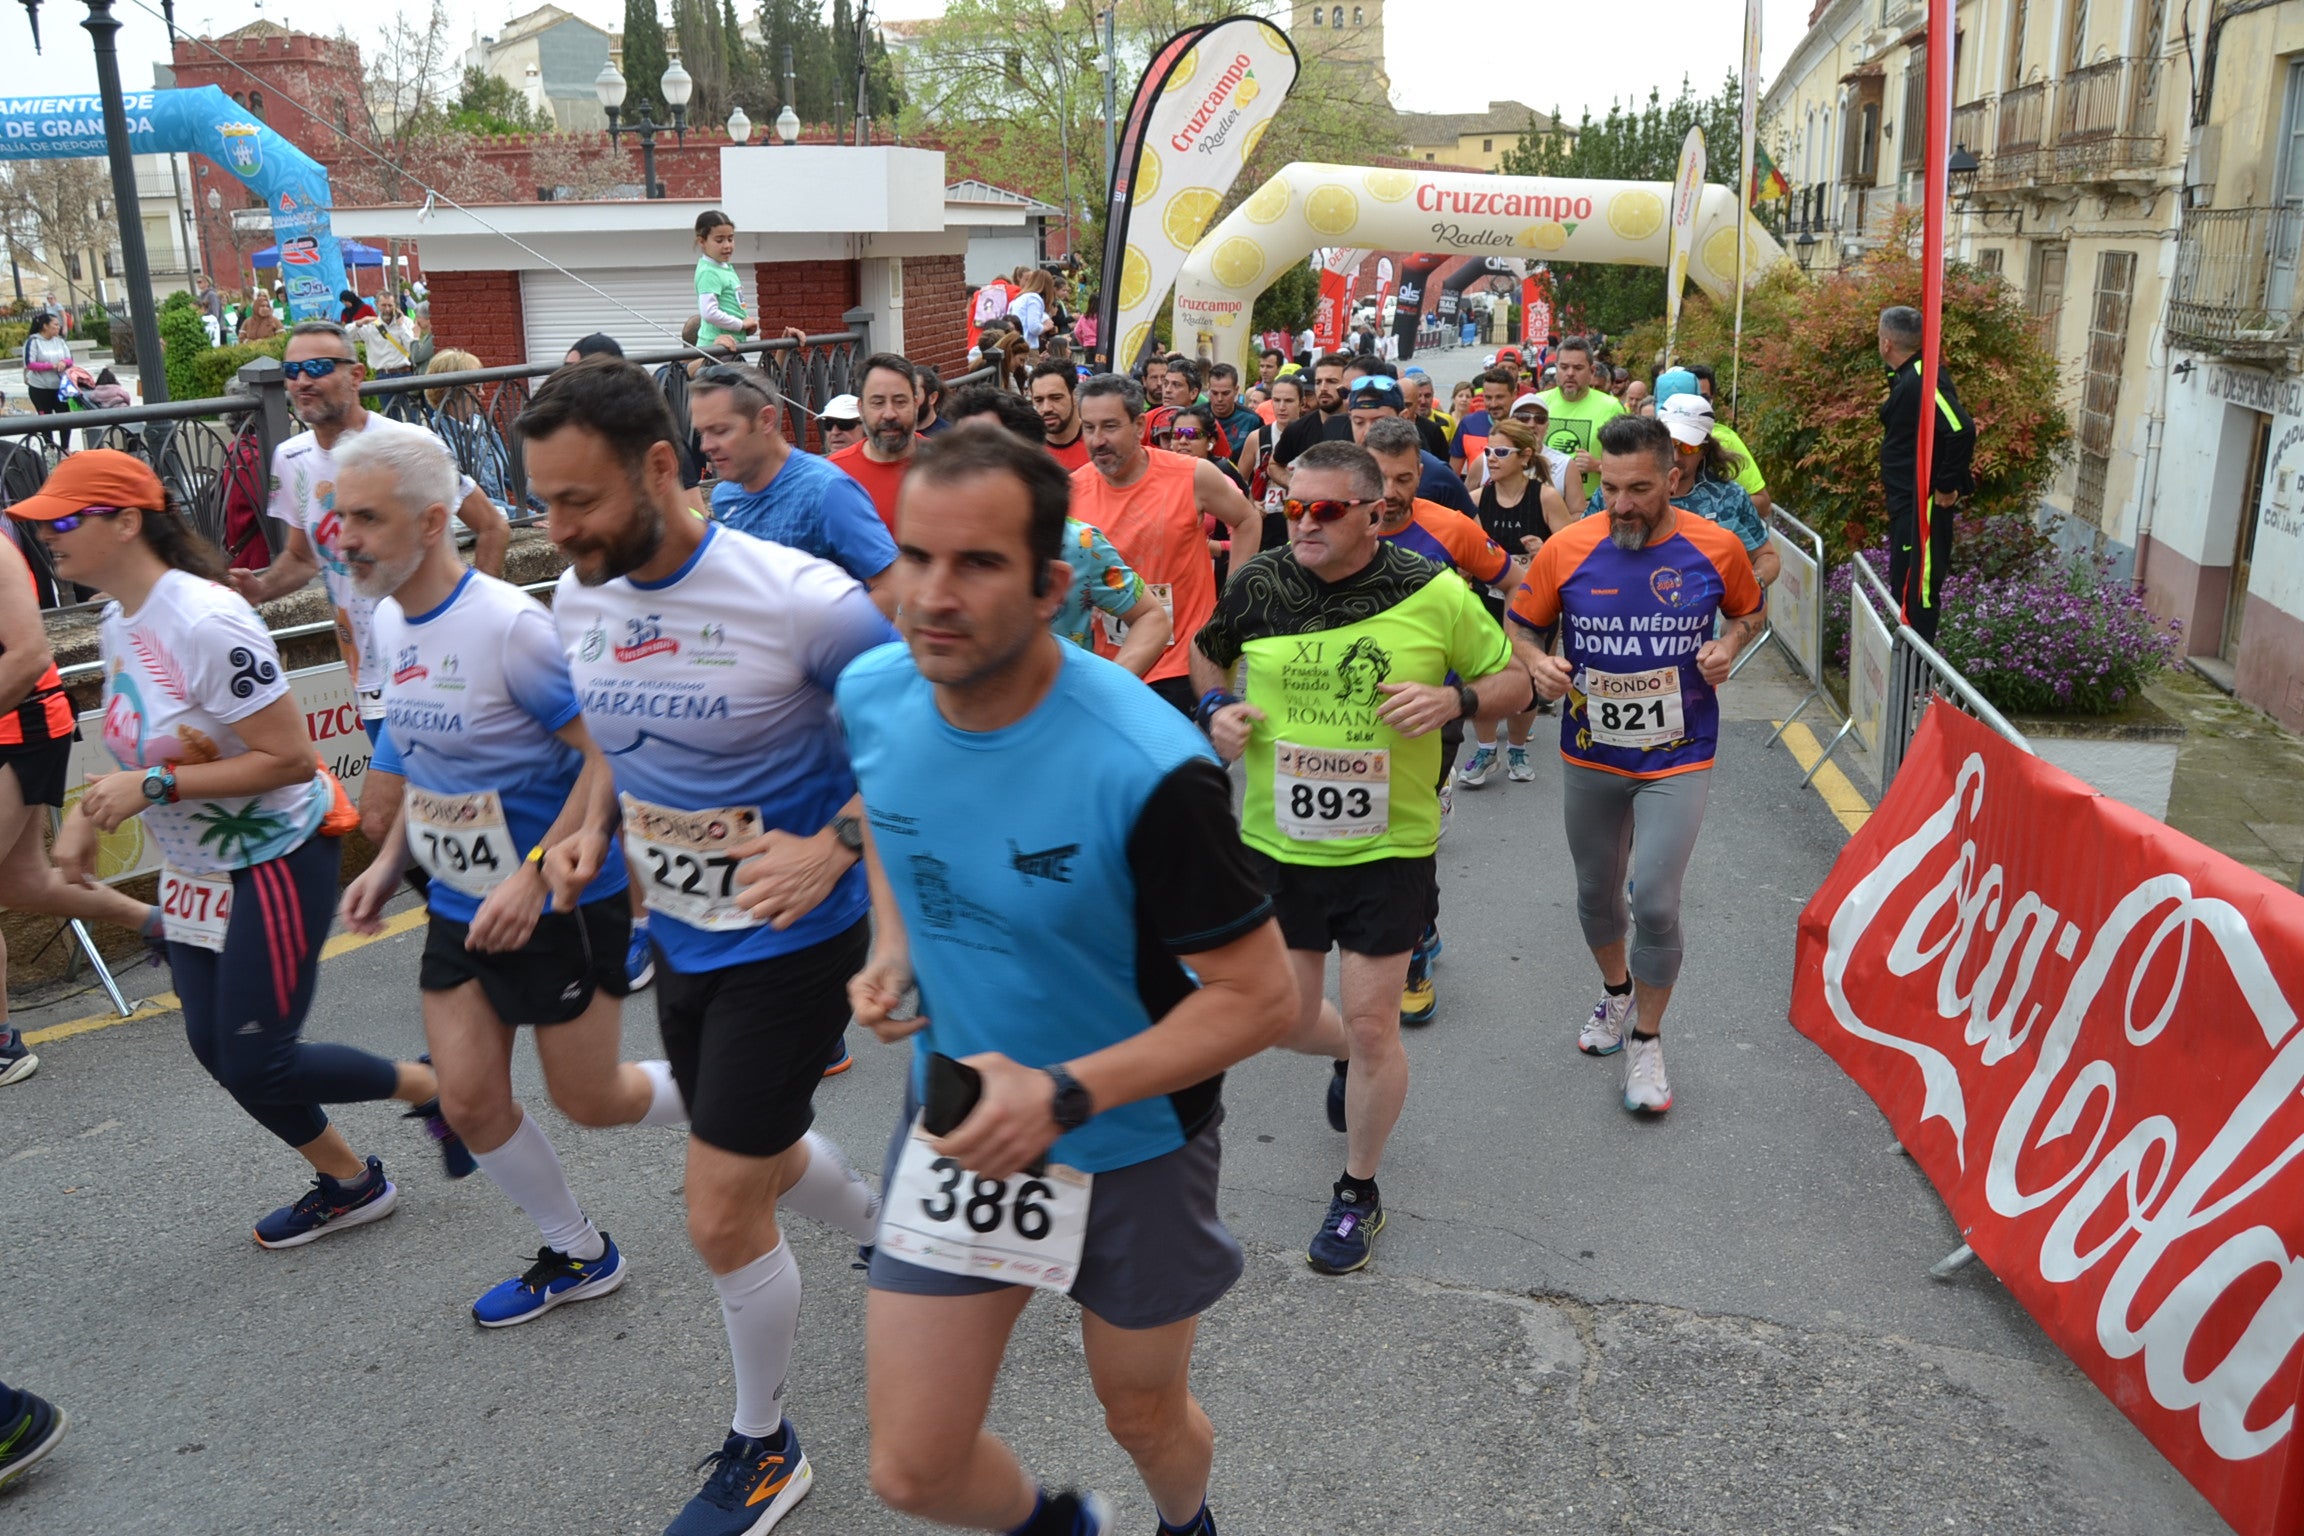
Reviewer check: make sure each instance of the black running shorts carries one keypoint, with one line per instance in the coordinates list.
(1381, 907)
(550, 979)
(748, 1043)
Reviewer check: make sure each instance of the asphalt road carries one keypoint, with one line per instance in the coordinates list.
(1721, 1322)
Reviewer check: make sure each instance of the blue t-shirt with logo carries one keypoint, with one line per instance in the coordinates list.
(1051, 873)
(811, 506)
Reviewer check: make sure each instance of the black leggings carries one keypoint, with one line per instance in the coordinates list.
(244, 1007)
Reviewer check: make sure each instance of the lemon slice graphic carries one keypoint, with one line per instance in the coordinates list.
(1390, 186)
(1239, 262)
(1332, 210)
(1186, 217)
(1135, 278)
(1636, 214)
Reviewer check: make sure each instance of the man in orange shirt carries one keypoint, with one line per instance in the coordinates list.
(1150, 505)
(888, 393)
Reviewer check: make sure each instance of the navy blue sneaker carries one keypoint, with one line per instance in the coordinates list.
(639, 958)
(1202, 1524)
(16, 1059)
(554, 1278)
(328, 1207)
(754, 1484)
(1347, 1238)
(33, 1435)
(455, 1157)
(841, 1060)
(1336, 1097)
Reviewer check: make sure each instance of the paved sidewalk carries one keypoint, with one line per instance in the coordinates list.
(2239, 780)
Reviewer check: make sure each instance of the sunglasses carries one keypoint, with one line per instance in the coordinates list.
(1501, 450)
(314, 367)
(1530, 418)
(1184, 434)
(72, 520)
(1321, 511)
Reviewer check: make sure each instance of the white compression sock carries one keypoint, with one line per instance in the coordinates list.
(666, 1107)
(760, 1303)
(527, 1169)
(832, 1192)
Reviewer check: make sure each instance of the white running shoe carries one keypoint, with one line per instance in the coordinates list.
(1517, 768)
(1475, 773)
(1645, 1090)
(1603, 1033)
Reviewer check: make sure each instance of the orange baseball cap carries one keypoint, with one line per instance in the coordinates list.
(93, 477)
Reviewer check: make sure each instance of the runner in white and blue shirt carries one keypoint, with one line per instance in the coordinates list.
(499, 771)
(703, 661)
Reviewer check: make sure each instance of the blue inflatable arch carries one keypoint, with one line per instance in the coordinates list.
(205, 121)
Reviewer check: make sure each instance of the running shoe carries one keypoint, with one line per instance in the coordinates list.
(32, 1436)
(328, 1207)
(1090, 1514)
(1603, 1033)
(1645, 1090)
(1447, 803)
(841, 1059)
(1475, 773)
(552, 1279)
(1517, 768)
(753, 1485)
(455, 1158)
(639, 958)
(1419, 1000)
(1336, 1097)
(1347, 1237)
(16, 1059)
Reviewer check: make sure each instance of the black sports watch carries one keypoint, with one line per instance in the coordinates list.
(1467, 701)
(1073, 1107)
(850, 832)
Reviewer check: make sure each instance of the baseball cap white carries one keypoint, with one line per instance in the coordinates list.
(1687, 417)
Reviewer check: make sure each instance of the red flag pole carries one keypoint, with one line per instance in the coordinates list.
(1936, 204)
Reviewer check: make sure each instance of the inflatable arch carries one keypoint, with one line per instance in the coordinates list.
(205, 121)
(1306, 206)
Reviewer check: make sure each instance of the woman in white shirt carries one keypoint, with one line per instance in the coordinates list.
(216, 759)
(46, 355)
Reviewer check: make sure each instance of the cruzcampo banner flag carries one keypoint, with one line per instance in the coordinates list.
(1687, 191)
(1202, 109)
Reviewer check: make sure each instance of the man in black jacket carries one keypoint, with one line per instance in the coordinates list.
(1916, 575)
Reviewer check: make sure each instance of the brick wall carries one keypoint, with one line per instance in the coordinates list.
(810, 294)
(935, 313)
(480, 312)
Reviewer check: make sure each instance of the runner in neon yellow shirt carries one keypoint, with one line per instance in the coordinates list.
(1577, 411)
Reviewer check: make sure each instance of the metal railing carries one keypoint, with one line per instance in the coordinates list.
(2021, 130)
(1912, 136)
(2235, 281)
(214, 455)
(2098, 126)
(1968, 127)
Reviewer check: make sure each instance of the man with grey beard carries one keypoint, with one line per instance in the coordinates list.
(1636, 595)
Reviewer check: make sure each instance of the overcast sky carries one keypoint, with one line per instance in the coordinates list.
(1465, 54)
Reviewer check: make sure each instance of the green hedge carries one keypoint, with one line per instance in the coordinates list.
(12, 338)
(183, 343)
(213, 371)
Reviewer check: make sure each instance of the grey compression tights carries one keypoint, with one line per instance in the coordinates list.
(1644, 828)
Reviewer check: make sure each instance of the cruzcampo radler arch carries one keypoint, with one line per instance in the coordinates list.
(1308, 206)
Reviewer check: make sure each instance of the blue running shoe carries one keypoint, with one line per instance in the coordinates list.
(841, 1061)
(1427, 949)
(33, 1435)
(639, 958)
(1347, 1239)
(455, 1157)
(754, 1484)
(1336, 1097)
(551, 1280)
(16, 1059)
(330, 1206)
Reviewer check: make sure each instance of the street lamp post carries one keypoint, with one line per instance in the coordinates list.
(104, 27)
(677, 85)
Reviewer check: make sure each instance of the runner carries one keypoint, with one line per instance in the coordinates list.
(215, 757)
(1179, 387)
(1055, 392)
(1047, 916)
(1704, 481)
(1432, 430)
(703, 659)
(1236, 419)
(1348, 639)
(36, 737)
(1577, 411)
(1696, 379)
(1470, 444)
(1325, 421)
(890, 407)
(1377, 396)
(1645, 584)
(771, 490)
(1149, 505)
(1519, 508)
(29, 1429)
(483, 724)
(1446, 537)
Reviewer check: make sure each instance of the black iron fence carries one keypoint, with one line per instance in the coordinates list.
(213, 454)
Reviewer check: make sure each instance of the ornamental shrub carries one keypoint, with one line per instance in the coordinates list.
(214, 370)
(183, 342)
(1809, 397)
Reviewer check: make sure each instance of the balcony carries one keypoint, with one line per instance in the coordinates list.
(1912, 151)
(2016, 149)
(2234, 292)
(2098, 116)
(1968, 127)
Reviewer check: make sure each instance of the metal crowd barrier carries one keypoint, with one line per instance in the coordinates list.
(1795, 610)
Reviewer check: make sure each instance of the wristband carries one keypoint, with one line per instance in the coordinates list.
(1210, 702)
(535, 855)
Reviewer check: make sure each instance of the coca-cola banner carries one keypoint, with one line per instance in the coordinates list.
(2083, 1026)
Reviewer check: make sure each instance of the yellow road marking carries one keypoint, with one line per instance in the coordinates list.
(163, 1003)
(1843, 799)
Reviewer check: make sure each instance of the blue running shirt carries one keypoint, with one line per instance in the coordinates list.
(809, 504)
(1050, 874)
(475, 690)
(712, 690)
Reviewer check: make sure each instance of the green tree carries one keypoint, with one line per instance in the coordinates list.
(645, 59)
(183, 343)
(487, 103)
(798, 25)
(1288, 304)
(1629, 144)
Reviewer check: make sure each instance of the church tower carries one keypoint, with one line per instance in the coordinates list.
(1347, 33)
